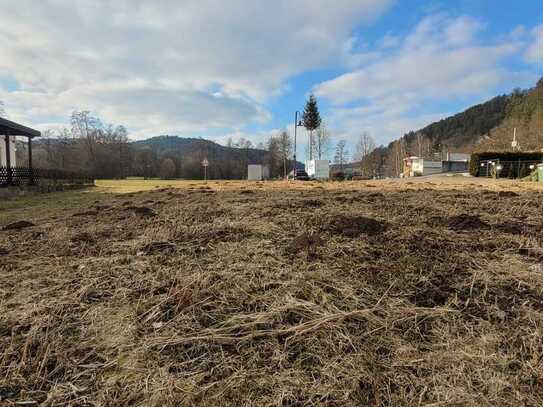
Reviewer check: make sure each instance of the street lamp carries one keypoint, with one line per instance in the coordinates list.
(297, 123)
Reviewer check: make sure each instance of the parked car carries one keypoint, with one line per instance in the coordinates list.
(299, 175)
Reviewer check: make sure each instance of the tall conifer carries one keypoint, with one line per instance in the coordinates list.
(312, 120)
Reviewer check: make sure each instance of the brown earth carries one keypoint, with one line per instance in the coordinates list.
(276, 294)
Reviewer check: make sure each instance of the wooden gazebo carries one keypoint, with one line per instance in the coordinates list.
(8, 130)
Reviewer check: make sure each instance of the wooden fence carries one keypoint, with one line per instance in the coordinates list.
(26, 176)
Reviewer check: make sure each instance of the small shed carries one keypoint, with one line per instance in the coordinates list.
(505, 164)
(257, 172)
(456, 162)
(8, 132)
(318, 169)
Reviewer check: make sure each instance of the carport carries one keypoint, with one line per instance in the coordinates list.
(11, 174)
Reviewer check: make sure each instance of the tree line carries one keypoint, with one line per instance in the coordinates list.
(105, 150)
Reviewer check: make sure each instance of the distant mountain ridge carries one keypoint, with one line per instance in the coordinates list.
(188, 153)
(183, 145)
(224, 162)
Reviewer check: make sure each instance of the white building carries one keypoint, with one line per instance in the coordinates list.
(318, 169)
(3, 156)
(257, 172)
(415, 166)
(457, 157)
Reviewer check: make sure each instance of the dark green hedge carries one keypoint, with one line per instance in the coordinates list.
(476, 158)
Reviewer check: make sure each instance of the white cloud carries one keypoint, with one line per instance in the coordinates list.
(441, 59)
(166, 66)
(389, 41)
(534, 52)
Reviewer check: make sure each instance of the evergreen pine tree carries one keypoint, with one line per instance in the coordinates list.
(312, 120)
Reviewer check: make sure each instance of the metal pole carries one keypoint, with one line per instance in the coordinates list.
(8, 161)
(295, 128)
(30, 169)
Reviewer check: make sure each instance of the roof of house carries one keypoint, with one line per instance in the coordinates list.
(7, 127)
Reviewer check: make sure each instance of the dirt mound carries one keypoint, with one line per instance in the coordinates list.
(353, 226)
(310, 203)
(21, 224)
(83, 237)
(156, 247)
(534, 252)
(86, 213)
(513, 228)
(308, 242)
(342, 199)
(466, 222)
(142, 211)
(507, 194)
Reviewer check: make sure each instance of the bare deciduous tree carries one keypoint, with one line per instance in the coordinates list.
(167, 169)
(341, 156)
(396, 156)
(321, 142)
(87, 128)
(284, 144)
(364, 146)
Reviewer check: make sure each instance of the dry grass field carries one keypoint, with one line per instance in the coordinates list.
(379, 293)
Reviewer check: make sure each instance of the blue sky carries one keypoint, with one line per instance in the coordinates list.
(198, 68)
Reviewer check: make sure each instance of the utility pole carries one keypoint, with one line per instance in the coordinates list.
(515, 143)
(205, 164)
(297, 123)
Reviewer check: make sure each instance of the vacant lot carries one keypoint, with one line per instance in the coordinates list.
(362, 293)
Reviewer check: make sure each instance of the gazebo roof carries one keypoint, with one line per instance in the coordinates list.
(7, 127)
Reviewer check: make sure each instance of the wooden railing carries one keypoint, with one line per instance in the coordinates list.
(26, 176)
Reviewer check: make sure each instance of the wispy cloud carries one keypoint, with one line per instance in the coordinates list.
(534, 53)
(166, 66)
(441, 59)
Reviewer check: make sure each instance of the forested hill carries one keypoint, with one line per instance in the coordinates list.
(489, 123)
(163, 156)
(188, 153)
(183, 146)
(486, 126)
(464, 129)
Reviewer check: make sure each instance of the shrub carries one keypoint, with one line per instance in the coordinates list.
(337, 176)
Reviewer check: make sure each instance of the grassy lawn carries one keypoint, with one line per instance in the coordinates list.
(41, 205)
(47, 204)
(274, 293)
